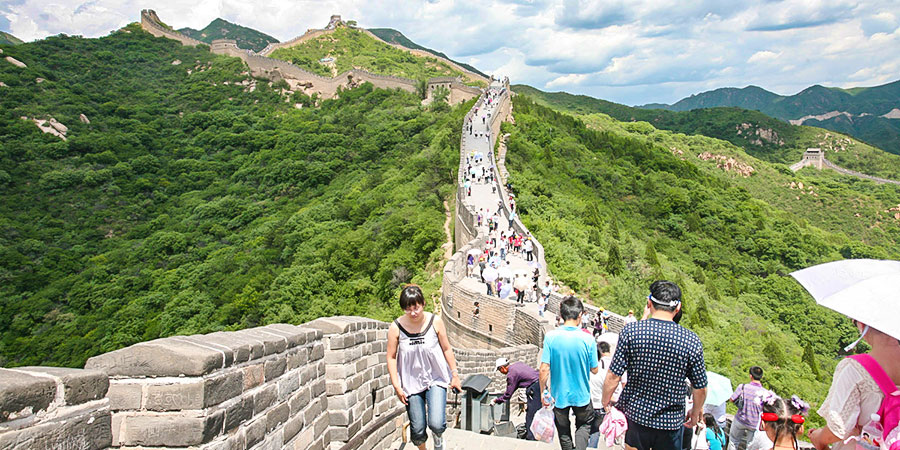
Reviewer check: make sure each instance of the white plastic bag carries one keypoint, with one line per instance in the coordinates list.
(543, 425)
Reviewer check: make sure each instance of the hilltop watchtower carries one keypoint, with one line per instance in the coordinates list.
(814, 157)
(334, 22)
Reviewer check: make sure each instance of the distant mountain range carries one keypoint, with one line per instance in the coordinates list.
(8, 39)
(222, 29)
(393, 36)
(871, 114)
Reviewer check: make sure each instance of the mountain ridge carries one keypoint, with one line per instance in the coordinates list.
(867, 111)
(9, 39)
(219, 28)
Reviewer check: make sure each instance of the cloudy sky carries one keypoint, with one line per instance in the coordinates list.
(628, 51)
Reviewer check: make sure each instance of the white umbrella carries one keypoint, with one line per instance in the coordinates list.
(719, 389)
(489, 274)
(505, 272)
(522, 283)
(610, 338)
(861, 289)
(475, 251)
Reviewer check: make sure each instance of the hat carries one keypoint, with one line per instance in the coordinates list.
(630, 311)
(502, 362)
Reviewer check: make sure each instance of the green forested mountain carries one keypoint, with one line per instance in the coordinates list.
(759, 135)
(347, 48)
(247, 38)
(393, 36)
(864, 108)
(198, 199)
(8, 39)
(619, 204)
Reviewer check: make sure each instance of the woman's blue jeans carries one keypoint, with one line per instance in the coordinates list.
(435, 417)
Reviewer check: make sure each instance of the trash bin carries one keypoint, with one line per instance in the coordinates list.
(476, 409)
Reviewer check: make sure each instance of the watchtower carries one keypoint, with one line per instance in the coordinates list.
(814, 157)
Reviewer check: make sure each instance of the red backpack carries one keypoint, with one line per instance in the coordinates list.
(890, 406)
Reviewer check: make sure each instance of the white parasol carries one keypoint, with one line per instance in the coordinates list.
(861, 289)
(489, 274)
(505, 272)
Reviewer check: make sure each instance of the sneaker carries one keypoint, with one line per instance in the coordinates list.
(438, 443)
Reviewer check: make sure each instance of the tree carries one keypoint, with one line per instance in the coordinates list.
(652, 259)
(613, 228)
(809, 357)
(422, 89)
(614, 264)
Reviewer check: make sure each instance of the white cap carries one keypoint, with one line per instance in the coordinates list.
(501, 362)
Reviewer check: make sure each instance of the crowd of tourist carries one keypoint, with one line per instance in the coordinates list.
(645, 387)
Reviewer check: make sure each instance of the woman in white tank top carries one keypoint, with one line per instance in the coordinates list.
(422, 366)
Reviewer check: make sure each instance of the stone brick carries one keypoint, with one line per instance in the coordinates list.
(272, 343)
(254, 376)
(299, 400)
(256, 431)
(294, 334)
(218, 389)
(289, 383)
(165, 357)
(340, 417)
(293, 426)
(318, 387)
(277, 416)
(175, 397)
(124, 396)
(236, 441)
(299, 358)
(228, 348)
(20, 390)
(275, 368)
(238, 413)
(344, 401)
(317, 352)
(264, 399)
(175, 430)
(90, 431)
(305, 439)
(79, 385)
(314, 411)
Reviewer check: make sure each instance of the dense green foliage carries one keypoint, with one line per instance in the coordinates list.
(815, 100)
(190, 205)
(759, 135)
(350, 48)
(592, 195)
(8, 39)
(393, 36)
(247, 38)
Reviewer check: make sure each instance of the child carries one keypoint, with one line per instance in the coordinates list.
(782, 420)
(714, 434)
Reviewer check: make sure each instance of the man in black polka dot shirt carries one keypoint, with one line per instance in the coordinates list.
(658, 355)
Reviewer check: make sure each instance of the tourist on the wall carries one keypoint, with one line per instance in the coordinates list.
(568, 358)
(746, 421)
(658, 355)
(521, 375)
(630, 317)
(422, 367)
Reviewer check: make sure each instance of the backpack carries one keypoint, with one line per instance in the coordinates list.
(890, 406)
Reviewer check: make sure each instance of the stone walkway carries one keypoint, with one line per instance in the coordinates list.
(483, 198)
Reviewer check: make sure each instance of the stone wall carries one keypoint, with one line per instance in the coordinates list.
(53, 408)
(225, 390)
(150, 23)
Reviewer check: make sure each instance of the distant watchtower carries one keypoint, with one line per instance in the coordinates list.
(334, 22)
(814, 157)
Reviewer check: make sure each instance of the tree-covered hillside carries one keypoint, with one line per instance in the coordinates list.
(393, 36)
(348, 48)
(759, 135)
(200, 199)
(247, 38)
(866, 106)
(615, 212)
(8, 39)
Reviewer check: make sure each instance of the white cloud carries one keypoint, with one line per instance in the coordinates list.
(634, 52)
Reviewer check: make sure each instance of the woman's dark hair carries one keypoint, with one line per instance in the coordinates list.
(411, 295)
(570, 308)
(711, 424)
(784, 425)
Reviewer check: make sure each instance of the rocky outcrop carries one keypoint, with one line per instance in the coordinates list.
(15, 62)
(50, 126)
(728, 164)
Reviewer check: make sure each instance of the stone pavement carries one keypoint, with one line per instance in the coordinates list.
(483, 198)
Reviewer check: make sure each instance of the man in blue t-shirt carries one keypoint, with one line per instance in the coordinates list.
(658, 355)
(568, 359)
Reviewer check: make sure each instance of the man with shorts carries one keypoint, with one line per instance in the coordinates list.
(658, 355)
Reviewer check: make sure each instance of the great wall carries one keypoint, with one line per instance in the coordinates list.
(317, 385)
(815, 157)
(299, 79)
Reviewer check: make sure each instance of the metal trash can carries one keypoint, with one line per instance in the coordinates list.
(476, 409)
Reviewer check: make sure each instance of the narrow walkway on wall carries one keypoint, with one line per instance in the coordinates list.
(486, 200)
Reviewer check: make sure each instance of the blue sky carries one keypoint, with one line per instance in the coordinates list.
(627, 51)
